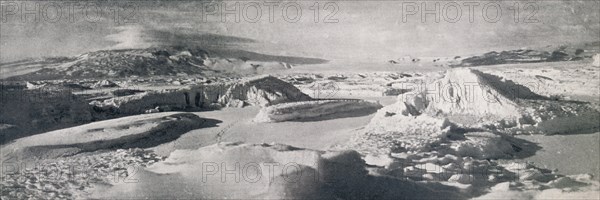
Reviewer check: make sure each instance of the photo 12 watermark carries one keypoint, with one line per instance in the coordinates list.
(125, 12)
(130, 12)
(270, 11)
(57, 171)
(467, 92)
(470, 11)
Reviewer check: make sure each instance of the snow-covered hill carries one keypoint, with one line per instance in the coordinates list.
(154, 61)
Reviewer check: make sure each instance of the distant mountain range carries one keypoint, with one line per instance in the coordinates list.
(148, 62)
(562, 53)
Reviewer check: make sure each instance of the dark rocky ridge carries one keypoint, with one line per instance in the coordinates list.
(562, 53)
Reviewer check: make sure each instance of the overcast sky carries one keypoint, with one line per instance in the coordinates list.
(357, 30)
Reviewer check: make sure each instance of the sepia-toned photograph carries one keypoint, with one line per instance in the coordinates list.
(300, 99)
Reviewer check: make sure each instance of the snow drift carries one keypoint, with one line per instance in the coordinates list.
(262, 91)
(316, 110)
(395, 126)
(258, 91)
(420, 139)
(254, 171)
(399, 128)
(129, 132)
(463, 92)
(476, 99)
(265, 171)
(71, 177)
